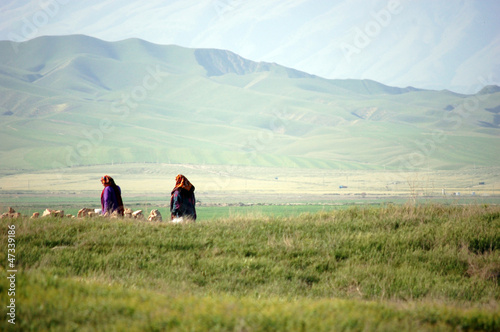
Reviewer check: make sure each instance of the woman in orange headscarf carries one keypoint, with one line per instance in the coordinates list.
(111, 197)
(182, 200)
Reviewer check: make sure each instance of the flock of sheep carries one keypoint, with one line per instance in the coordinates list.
(155, 215)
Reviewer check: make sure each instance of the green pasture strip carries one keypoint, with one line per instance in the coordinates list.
(256, 211)
(47, 302)
(205, 213)
(28, 202)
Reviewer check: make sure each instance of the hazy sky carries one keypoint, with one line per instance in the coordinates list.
(436, 44)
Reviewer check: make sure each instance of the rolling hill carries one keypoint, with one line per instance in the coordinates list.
(76, 100)
(429, 44)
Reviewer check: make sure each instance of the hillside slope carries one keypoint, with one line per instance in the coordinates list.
(77, 100)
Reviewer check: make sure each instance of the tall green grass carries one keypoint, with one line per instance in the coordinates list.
(362, 268)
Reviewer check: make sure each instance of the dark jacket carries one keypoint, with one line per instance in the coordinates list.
(182, 203)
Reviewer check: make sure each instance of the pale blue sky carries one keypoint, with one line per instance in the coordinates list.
(435, 44)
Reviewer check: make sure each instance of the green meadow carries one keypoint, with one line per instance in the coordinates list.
(386, 268)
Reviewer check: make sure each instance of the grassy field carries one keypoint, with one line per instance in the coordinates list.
(386, 268)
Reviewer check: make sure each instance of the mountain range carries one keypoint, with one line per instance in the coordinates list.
(430, 44)
(77, 100)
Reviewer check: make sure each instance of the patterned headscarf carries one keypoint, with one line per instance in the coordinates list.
(107, 180)
(182, 182)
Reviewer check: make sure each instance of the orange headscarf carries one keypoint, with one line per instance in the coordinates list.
(182, 182)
